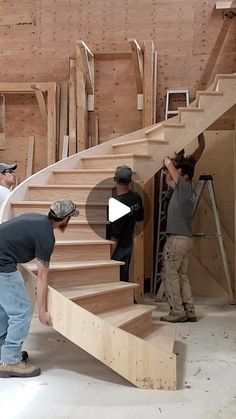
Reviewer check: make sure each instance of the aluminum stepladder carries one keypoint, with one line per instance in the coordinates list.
(207, 180)
(175, 92)
(161, 236)
(204, 180)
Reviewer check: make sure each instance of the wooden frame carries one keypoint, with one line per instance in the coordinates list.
(48, 116)
(2, 122)
(226, 4)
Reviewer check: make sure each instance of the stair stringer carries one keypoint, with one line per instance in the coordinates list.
(143, 364)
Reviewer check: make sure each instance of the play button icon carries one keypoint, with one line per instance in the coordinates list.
(117, 210)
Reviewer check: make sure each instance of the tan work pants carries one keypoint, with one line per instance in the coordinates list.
(174, 272)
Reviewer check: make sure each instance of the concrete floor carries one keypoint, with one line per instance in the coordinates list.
(74, 385)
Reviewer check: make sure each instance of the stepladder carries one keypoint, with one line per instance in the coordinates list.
(204, 181)
(174, 94)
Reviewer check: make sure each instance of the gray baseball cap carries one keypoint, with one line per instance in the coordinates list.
(62, 208)
(4, 166)
(123, 173)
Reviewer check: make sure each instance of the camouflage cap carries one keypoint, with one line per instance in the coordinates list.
(5, 166)
(62, 208)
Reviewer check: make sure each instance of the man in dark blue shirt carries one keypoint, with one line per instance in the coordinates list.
(22, 239)
(122, 230)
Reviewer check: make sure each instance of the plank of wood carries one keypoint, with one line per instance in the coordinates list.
(65, 147)
(2, 122)
(137, 57)
(51, 124)
(63, 119)
(72, 107)
(30, 157)
(85, 60)
(42, 106)
(82, 111)
(226, 4)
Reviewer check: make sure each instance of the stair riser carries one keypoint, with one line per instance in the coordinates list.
(206, 101)
(188, 116)
(107, 301)
(138, 325)
(86, 276)
(82, 232)
(74, 253)
(44, 194)
(96, 213)
(110, 163)
(83, 179)
(140, 148)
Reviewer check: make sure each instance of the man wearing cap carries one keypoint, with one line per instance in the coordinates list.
(7, 179)
(122, 230)
(22, 239)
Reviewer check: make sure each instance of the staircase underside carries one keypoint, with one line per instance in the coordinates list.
(87, 302)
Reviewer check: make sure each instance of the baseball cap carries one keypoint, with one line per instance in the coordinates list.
(123, 173)
(4, 166)
(62, 208)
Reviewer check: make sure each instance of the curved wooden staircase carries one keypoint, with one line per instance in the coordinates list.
(88, 303)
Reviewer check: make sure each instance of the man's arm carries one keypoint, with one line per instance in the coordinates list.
(42, 289)
(201, 146)
(174, 173)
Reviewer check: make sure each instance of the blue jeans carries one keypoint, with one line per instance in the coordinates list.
(15, 316)
(123, 254)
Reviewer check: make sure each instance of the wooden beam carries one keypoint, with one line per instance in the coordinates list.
(22, 87)
(2, 122)
(82, 111)
(51, 124)
(226, 4)
(85, 60)
(63, 116)
(235, 202)
(110, 48)
(65, 147)
(72, 107)
(96, 130)
(30, 157)
(148, 119)
(137, 56)
(81, 101)
(42, 105)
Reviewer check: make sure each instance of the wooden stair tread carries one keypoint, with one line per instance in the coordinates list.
(76, 265)
(161, 335)
(83, 171)
(190, 109)
(80, 291)
(173, 124)
(114, 156)
(83, 242)
(147, 140)
(72, 186)
(123, 315)
(36, 203)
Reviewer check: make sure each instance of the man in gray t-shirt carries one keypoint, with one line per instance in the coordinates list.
(179, 242)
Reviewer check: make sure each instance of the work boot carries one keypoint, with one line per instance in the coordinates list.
(191, 315)
(24, 355)
(21, 370)
(190, 312)
(173, 317)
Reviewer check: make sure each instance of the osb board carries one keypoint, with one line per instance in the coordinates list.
(192, 39)
(216, 160)
(23, 119)
(115, 97)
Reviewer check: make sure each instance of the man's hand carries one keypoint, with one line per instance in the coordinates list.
(166, 161)
(45, 318)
